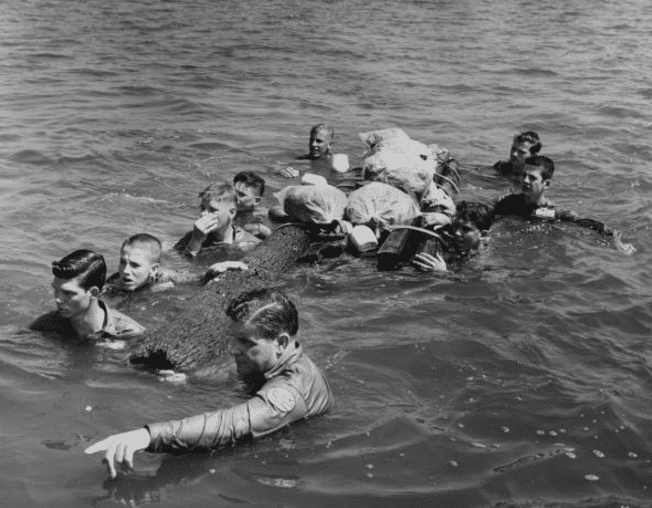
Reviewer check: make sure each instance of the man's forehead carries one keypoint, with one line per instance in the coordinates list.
(68, 284)
(134, 252)
(528, 168)
(321, 134)
(242, 331)
(213, 203)
(236, 327)
(243, 187)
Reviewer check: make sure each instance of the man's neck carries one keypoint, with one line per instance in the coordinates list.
(90, 321)
(225, 234)
(535, 199)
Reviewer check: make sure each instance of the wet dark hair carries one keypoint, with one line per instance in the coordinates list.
(479, 214)
(530, 137)
(86, 264)
(150, 242)
(544, 163)
(269, 311)
(251, 179)
(322, 127)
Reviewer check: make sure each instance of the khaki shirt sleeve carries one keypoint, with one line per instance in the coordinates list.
(273, 407)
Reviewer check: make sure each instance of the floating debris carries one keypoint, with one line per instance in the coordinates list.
(284, 483)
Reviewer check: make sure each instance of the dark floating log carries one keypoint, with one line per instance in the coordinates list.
(196, 336)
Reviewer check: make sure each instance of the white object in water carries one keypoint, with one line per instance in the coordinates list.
(544, 213)
(346, 226)
(340, 162)
(363, 238)
(311, 179)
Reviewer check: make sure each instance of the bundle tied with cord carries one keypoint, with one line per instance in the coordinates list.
(318, 208)
(394, 158)
(428, 174)
(380, 206)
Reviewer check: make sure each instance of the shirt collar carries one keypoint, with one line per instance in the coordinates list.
(289, 357)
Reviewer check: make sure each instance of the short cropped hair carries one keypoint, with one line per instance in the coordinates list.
(251, 179)
(544, 163)
(147, 242)
(268, 311)
(322, 127)
(479, 214)
(86, 264)
(530, 137)
(221, 192)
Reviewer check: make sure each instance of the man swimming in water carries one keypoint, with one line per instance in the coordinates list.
(320, 147)
(286, 384)
(525, 144)
(78, 281)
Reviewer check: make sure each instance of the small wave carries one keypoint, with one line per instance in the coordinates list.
(210, 146)
(138, 90)
(98, 73)
(621, 112)
(31, 157)
(117, 196)
(533, 71)
(50, 56)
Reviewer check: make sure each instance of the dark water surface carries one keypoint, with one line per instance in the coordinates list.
(523, 380)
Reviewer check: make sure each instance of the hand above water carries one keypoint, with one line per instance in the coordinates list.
(289, 172)
(206, 223)
(202, 227)
(222, 267)
(429, 263)
(119, 449)
(626, 248)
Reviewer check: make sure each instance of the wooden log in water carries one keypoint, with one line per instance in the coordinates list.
(196, 336)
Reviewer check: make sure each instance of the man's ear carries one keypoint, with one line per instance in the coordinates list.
(282, 340)
(546, 183)
(153, 269)
(484, 233)
(95, 291)
(232, 212)
(257, 200)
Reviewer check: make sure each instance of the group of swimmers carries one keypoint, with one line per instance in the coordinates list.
(80, 278)
(286, 384)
